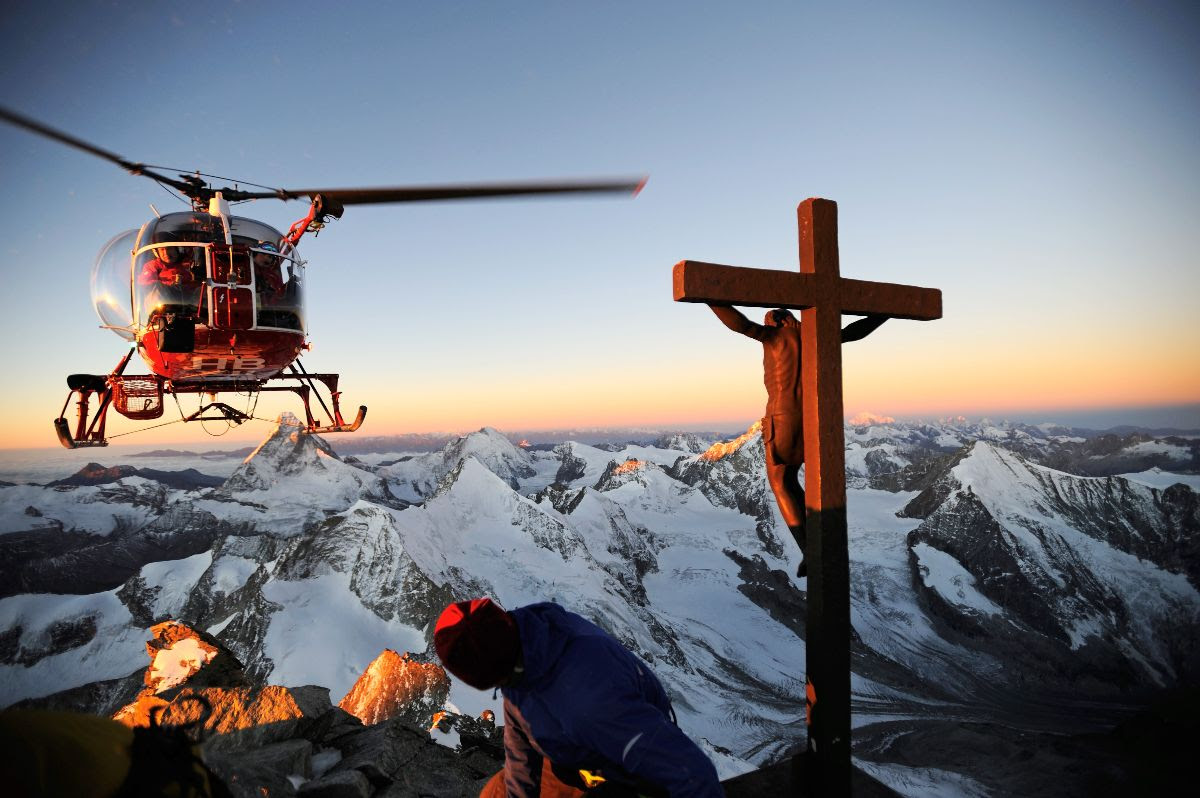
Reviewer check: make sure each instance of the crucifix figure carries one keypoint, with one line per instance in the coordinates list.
(822, 295)
(783, 421)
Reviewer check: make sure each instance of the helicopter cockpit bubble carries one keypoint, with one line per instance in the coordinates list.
(170, 276)
(111, 284)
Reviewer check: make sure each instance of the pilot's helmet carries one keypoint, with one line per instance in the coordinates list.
(168, 254)
(268, 249)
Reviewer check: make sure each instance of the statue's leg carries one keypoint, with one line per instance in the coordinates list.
(783, 439)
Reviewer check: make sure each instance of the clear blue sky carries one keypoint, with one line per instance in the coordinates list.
(1038, 162)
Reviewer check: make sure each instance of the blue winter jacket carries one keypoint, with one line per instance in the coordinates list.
(584, 701)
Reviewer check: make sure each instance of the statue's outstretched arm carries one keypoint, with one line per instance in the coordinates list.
(732, 318)
(857, 330)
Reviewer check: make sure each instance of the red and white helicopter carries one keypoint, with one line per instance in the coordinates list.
(214, 302)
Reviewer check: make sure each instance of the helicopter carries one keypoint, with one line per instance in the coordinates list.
(215, 303)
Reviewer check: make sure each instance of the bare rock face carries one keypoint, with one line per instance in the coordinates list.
(246, 717)
(395, 686)
(572, 467)
(234, 718)
(180, 654)
(180, 657)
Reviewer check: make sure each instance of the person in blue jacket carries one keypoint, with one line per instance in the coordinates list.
(575, 700)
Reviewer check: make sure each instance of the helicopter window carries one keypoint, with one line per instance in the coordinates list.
(231, 265)
(277, 281)
(185, 226)
(169, 278)
(250, 232)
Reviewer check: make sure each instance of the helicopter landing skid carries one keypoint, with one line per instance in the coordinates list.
(358, 420)
(140, 398)
(62, 428)
(306, 388)
(83, 387)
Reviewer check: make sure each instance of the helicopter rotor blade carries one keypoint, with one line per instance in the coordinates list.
(369, 196)
(335, 198)
(34, 126)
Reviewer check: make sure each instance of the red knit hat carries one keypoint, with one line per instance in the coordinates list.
(477, 641)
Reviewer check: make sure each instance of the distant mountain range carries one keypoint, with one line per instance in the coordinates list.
(1003, 576)
(610, 437)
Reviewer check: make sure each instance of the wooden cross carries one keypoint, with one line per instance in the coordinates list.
(822, 295)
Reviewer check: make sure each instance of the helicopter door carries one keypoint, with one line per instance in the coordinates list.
(231, 295)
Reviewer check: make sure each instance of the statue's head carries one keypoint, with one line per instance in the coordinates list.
(780, 318)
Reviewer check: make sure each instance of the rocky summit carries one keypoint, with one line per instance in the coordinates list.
(1006, 580)
(275, 740)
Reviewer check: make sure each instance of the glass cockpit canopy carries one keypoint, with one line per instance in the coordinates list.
(205, 229)
(113, 294)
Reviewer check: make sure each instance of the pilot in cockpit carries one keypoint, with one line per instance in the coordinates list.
(170, 266)
(268, 280)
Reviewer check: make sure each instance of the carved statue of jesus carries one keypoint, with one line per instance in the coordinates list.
(783, 422)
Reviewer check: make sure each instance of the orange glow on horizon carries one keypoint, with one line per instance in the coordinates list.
(906, 376)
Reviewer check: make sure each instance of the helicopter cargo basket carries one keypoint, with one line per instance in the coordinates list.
(139, 398)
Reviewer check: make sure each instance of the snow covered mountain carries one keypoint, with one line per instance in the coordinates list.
(986, 584)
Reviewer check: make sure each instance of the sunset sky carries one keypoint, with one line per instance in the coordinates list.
(1039, 162)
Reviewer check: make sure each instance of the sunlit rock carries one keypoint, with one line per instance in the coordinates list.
(397, 686)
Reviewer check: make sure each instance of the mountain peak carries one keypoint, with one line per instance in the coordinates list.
(682, 441)
(723, 449)
(96, 474)
(287, 450)
(620, 473)
(495, 452)
(397, 686)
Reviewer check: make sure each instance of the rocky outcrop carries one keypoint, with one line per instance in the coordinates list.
(291, 741)
(571, 467)
(61, 635)
(397, 686)
(181, 657)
